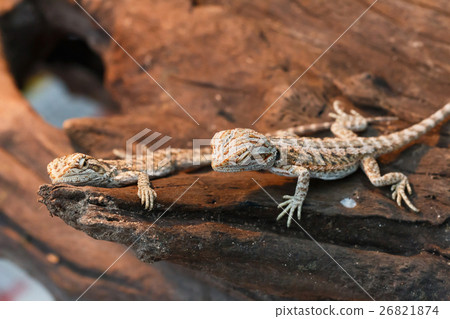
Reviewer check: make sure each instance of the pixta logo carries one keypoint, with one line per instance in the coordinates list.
(144, 148)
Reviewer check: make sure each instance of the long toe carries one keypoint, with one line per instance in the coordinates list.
(408, 187)
(291, 213)
(299, 213)
(146, 200)
(152, 202)
(409, 204)
(288, 224)
(280, 215)
(153, 196)
(399, 199)
(285, 203)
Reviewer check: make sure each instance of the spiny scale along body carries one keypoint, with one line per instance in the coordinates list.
(81, 169)
(328, 158)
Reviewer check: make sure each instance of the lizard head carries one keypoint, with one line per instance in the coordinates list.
(241, 150)
(77, 169)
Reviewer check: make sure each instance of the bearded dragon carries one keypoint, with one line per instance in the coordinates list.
(286, 154)
(80, 169)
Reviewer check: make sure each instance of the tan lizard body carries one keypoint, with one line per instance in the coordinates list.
(81, 169)
(328, 158)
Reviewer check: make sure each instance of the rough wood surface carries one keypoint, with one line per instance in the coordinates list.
(225, 62)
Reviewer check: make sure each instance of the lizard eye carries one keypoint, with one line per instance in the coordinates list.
(83, 163)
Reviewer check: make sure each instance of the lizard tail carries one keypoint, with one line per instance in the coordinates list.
(394, 141)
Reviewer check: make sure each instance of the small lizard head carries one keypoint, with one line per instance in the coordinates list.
(241, 150)
(77, 169)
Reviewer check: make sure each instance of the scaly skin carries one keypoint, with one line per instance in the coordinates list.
(80, 169)
(329, 158)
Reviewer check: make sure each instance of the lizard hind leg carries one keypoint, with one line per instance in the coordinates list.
(353, 122)
(398, 181)
(346, 124)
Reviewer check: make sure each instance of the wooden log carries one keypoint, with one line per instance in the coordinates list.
(242, 244)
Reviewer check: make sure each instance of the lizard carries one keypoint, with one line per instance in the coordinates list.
(80, 169)
(331, 158)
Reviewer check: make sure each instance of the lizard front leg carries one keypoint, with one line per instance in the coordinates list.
(145, 191)
(295, 202)
(398, 181)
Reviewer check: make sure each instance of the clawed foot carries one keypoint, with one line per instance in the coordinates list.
(354, 121)
(399, 193)
(290, 206)
(147, 196)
